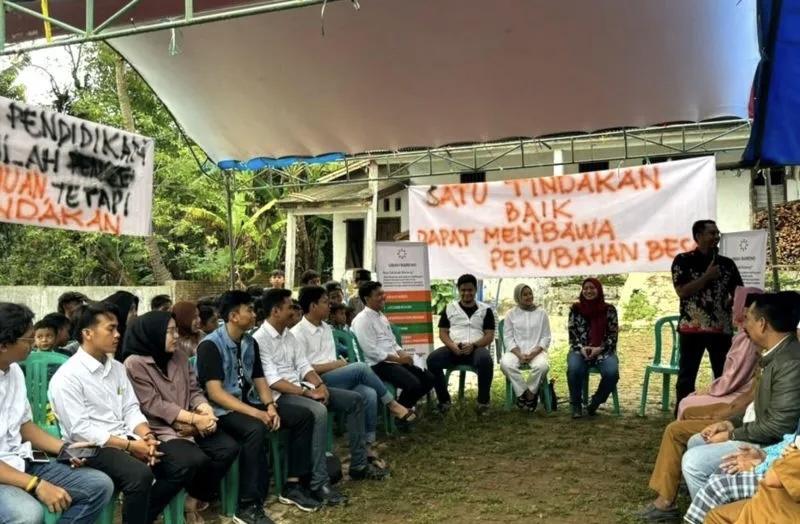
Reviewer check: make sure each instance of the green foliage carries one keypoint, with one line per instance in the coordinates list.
(576, 281)
(189, 203)
(10, 68)
(442, 293)
(789, 279)
(638, 308)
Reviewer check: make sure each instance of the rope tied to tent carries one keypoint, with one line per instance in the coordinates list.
(356, 6)
(174, 48)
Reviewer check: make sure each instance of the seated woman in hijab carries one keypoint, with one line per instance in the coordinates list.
(127, 306)
(526, 336)
(178, 413)
(732, 391)
(593, 330)
(187, 320)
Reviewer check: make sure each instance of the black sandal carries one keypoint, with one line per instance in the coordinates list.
(408, 418)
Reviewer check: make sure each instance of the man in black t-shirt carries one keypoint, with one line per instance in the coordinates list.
(249, 415)
(467, 329)
(705, 282)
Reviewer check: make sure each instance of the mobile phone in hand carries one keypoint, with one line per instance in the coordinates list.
(40, 456)
(68, 454)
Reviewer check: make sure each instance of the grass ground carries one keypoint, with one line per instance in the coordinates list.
(514, 466)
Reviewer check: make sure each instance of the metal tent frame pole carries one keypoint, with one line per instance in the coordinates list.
(90, 33)
(773, 244)
(229, 194)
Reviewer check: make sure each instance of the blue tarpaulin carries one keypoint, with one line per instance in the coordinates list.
(775, 140)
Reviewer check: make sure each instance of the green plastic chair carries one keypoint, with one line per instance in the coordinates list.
(614, 394)
(229, 486)
(50, 517)
(665, 369)
(544, 386)
(173, 513)
(38, 368)
(229, 490)
(346, 338)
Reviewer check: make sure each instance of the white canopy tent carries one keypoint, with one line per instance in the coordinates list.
(424, 73)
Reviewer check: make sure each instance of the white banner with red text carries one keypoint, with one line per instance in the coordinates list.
(634, 219)
(59, 171)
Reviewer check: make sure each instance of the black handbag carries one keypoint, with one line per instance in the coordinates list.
(334, 468)
(553, 398)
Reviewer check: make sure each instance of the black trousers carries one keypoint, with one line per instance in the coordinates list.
(480, 359)
(693, 345)
(144, 499)
(414, 382)
(214, 453)
(299, 423)
(251, 434)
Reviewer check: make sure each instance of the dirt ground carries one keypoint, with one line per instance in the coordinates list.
(514, 466)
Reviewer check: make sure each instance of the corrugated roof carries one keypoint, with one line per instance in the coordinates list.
(337, 190)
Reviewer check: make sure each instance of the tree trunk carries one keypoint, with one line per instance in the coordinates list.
(161, 272)
(303, 246)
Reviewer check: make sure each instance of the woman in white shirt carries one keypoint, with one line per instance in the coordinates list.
(526, 336)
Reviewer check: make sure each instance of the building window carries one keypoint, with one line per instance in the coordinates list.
(398, 204)
(473, 177)
(386, 205)
(591, 167)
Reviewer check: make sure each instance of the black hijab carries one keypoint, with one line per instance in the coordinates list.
(123, 301)
(147, 336)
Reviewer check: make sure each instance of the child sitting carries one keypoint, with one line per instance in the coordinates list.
(338, 320)
(51, 333)
(338, 317)
(44, 336)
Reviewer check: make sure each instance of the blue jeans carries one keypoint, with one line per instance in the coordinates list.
(346, 403)
(360, 378)
(578, 373)
(89, 489)
(702, 460)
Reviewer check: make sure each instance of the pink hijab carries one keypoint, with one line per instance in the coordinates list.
(742, 358)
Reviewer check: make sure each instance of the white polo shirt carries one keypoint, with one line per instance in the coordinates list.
(374, 335)
(316, 341)
(94, 401)
(281, 356)
(15, 410)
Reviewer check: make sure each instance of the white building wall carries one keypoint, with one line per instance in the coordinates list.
(402, 213)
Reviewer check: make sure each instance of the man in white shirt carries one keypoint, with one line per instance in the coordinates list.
(95, 402)
(29, 479)
(381, 351)
(295, 384)
(316, 339)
